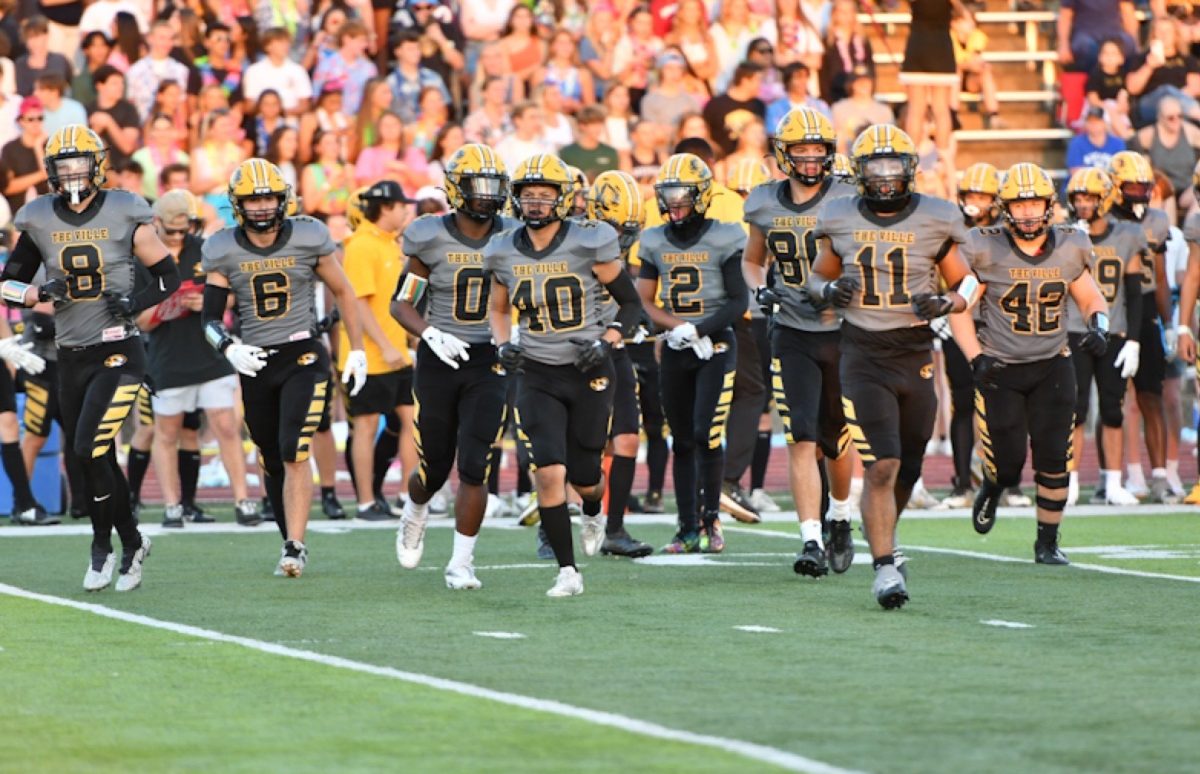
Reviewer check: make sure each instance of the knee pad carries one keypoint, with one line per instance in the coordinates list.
(1051, 504)
(1052, 480)
(473, 458)
(583, 467)
(1111, 413)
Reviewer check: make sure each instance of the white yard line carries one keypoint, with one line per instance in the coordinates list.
(1006, 624)
(757, 752)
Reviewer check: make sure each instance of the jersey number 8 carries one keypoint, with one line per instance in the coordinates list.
(83, 266)
(793, 264)
(271, 294)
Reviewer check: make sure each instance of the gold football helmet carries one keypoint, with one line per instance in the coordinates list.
(256, 178)
(980, 178)
(747, 175)
(544, 169)
(614, 198)
(476, 181)
(885, 164)
(684, 181)
(579, 204)
(842, 166)
(1092, 181)
(76, 162)
(1133, 182)
(804, 126)
(354, 207)
(1027, 182)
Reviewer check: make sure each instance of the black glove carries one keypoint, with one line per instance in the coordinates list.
(1095, 341)
(119, 306)
(930, 306)
(53, 290)
(986, 368)
(43, 326)
(768, 299)
(326, 323)
(840, 292)
(510, 355)
(592, 353)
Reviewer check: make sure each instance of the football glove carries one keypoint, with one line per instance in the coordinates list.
(703, 348)
(682, 336)
(768, 299)
(246, 359)
(18, 353)
(53, 290)
(354, 373)
(1128, 359)
(930, 306)
(986, 369)
(449, 348)
(592, 353)
(1095, 341)
(941, 328)
(840, 292)
(510, 355)
(118, 306)
(326, 323)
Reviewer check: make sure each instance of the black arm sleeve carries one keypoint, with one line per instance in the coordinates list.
(164, 281)
(647, 271)
(1133, 305)
(212, 316)
(629, 313)
(739, 298)
(23, 261)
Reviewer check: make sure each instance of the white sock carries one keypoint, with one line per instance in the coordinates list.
(1158, 473)
(365, 506)
(1112, 480)
(1136, 476)
(856, 486)
(811, 530)
(464, 548)
(420, 510)
(839, 510)
(1073, 478)
(1172, 468)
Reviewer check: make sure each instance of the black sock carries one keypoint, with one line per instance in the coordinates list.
(1047, 534)
(762, 457)
(350, 460)
(592, 507)
(14, 466)
(824, 473)
(495, 458)
(327, 491)
(274, 487)
(139, 462)
(386, 447)
(557, 521)
(189, 475)
(656, 463)
(881, 561)
(620, 484)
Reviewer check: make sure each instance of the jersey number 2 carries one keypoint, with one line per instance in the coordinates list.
(83, 266)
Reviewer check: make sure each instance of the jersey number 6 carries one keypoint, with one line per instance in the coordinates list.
(271, 294)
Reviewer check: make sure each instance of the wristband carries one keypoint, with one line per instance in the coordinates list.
(412, 289)
(1184, 330)
(13, 292)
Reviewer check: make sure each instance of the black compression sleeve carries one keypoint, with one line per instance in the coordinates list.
(739, 298)
(212, 316)
(647, 271)
(165, 281)
(629, 313)
(23, 261)
(1133, 305)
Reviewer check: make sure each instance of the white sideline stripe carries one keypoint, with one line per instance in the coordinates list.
(501, 635)
(1006, 624)
(757, 752)
(989, 557)
(759, 629)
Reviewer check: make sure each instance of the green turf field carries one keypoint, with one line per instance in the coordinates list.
(1101, 676)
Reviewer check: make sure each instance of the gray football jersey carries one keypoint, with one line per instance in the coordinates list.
(1112, 251)
(93, 251)
(1157, 226)
(1191, 228)
(458, 286)
(1025, 304)
(892, 258)
(691, 280)
(789, 230)
(554, 290)
(274, 287)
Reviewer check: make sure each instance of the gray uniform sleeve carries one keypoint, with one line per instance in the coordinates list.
(1191, 227)
(597, 240)
(212, 253)
(416, 239)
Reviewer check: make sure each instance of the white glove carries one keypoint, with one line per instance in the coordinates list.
(941, 327)
(703, 348)
(682, 336)
(449, 348)
(639, 335)
(355, 371)
(18, 353)
(514, 337)
(1127, 359)
(246, 360)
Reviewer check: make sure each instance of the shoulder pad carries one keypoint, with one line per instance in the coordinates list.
(215, 249)
(598, 239)
(138, 209)
(418, 234)
(312, 236)
(761, 198)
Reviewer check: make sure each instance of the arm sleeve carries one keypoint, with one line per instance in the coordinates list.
(629, 311)
(23, 262)
(1133, 304)
(648, 271)
(739, 299)
(164, 280)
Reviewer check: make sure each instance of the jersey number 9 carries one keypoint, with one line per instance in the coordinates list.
(83, 266)
(1109, 275)
(271, 292)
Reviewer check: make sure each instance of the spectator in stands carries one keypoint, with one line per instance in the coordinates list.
(190, 30)
(378, 100)
(860, 110)
(326, 183)
(434, 113)
(526, 140)
(1171, 144)
(1106, 89)
(291, 16)
(562, 69)
(929, 74)
(588, 153)
(409, 79)
(10, 108)
(213, 98)
(22, 171)
(154, 68)
(169, 101)
(277, 71)
(128, 43)
(60, 110)
(691, 125)
(247, 46)
(328, 117)
(974, 71)
(557, 129)
(736, 29)
(159, 153)
(257, 127)
(493, 64)
(1165, 69)
(489, 122)
(348, 69)
(619, 112)
(448, 141)
(442, 41)
(324, 43)
(690, 33)
(215, 66)
(847, 50)
(174, 176)
(385, 158)
(799, 35)
(113, 117)
(751, 146)
(214, 160)
(63, 26)
(599, 43)
(39, 60)
(96, 50)
(669, 99)
(762, 52)
(1095, 146)
(634, 55)
(520, 43)
(129, 176)
(483, 21)
(11, 29)
(283, 150)
(1084, 24)
(645, 154)
(729, 113)
(796, 78)
(99, 16)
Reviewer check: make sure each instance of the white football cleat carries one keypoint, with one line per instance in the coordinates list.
(762, 502)
(98, 579)
(410, 538)
(293, 560)
(592, 534)
(1119, 496)
(921, 499)
(462, 577)
(568, 584)
(131, 577)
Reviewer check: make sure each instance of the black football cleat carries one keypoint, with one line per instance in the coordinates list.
(839, 550)
(1049, 554)
(652, 503)
(195, 514)
(621, 544)
(811, 561)
(983, 512)
(374, 512)
(331, 507)
(544, 551)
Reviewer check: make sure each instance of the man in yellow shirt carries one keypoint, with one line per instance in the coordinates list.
(373, 264)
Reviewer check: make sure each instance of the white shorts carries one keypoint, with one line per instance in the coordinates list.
(217, 394)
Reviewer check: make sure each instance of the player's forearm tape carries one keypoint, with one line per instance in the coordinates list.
(13, 292)
(1099, 322)
(968, 288)
(217, 336)
(412, 289)
(629, 310)
(1133, 304)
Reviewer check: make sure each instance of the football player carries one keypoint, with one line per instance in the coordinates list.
(1021, 361)
(1133, 182)
(693, 264)
(89, 241)
(614, 199)
(804, 337)
(551, 270)
(26, 509)
(459, 389)
(1116, 267)
(1189, 290)
(878, 263)
(270, 264)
